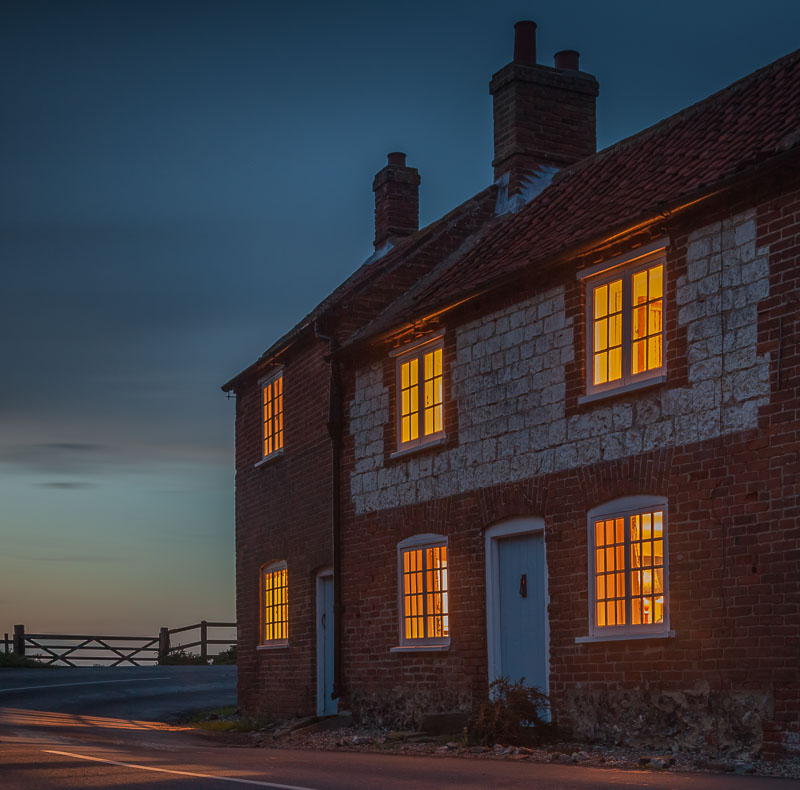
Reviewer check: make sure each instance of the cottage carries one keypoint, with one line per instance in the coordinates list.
(553, 435)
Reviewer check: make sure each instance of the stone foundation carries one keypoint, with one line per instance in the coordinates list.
(714, 723)
(405, 708)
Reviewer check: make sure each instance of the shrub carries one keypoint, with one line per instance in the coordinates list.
(181, 658)
(514, 714)
(12, 660)
(225, 656)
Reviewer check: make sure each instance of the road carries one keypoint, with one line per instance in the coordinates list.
(100, 728)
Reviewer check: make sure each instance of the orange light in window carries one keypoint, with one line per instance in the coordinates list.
(276, 606)
(609, 572)
(647, 319)
(272, 399)
(425, 605)
(607, 329)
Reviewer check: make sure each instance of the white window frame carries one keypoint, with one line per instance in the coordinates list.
(410, 351)
(263, 383)
(424, 541)
(618, 508)
(263, 643)
(623, 267)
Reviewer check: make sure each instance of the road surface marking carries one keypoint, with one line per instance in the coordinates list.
(179, 773)
(86, 683)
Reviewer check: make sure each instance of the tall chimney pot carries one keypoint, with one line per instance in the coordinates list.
(525, 42)
(567, 59)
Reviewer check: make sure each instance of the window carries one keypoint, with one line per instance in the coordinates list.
(272, 416)
(423, 591)
(420, 395)
(274, 605)
(628, 585)
(625, 324)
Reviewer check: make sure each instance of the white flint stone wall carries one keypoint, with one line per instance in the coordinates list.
(509, 383)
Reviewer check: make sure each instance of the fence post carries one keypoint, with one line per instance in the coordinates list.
(204, 641)
(163, 644)
(19, 640)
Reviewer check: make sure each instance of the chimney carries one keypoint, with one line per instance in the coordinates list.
(396, 189)
(544, 117)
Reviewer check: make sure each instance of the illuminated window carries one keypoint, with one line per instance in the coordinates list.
(274, 605)
(420, 395)
(423, 591)
(272, 414)
(628, 567)
(625, 324)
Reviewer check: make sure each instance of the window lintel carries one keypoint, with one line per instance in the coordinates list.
(637, 256)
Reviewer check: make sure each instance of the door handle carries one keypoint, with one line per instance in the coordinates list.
(523, 585)
(323, 620)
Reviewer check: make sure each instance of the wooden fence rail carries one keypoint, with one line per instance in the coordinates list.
(107, 648)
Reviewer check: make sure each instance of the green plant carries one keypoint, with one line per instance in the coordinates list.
(9, 660)
(225, 656)
(181, 657)
(514, 714)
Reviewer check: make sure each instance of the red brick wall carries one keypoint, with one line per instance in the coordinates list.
(283, 512)
(734, 539)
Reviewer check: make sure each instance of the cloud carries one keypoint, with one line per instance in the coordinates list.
(69, 458)
(64, 485)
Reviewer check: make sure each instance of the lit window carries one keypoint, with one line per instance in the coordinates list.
(420, 395)
(625, 324)
(423, 588)
(275, 605)
(272, 414)
(628, 567)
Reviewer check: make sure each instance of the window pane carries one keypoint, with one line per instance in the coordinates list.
(656, 282)
(654, 321)
(615, 364)
(615, 296)
(601, 301)
(601, 335)
(639, 356)
(639, 322)
(615, 330)
(601, 368)
(654, 352)
(639, 288)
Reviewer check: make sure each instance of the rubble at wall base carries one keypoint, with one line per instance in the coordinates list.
(726, 724)
(404, 708)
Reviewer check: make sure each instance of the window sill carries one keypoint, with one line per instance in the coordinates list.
(417, 448)
(420, 648)
(579, 640)
(271, 457)
(623, 389)
(281, 646)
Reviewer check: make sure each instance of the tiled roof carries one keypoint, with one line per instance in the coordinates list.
(688, 154)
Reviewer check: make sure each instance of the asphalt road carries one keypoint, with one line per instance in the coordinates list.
(99, 728)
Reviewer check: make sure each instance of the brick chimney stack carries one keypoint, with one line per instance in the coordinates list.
(396, 189)
(544, 118)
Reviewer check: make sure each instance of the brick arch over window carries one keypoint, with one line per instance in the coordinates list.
(648, 472)
(500, 503)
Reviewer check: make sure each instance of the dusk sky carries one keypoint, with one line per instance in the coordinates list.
(182, 182)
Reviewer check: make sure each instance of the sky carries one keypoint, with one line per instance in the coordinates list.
(181, 183)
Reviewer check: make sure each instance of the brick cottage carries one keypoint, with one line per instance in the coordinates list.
(553, 435)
